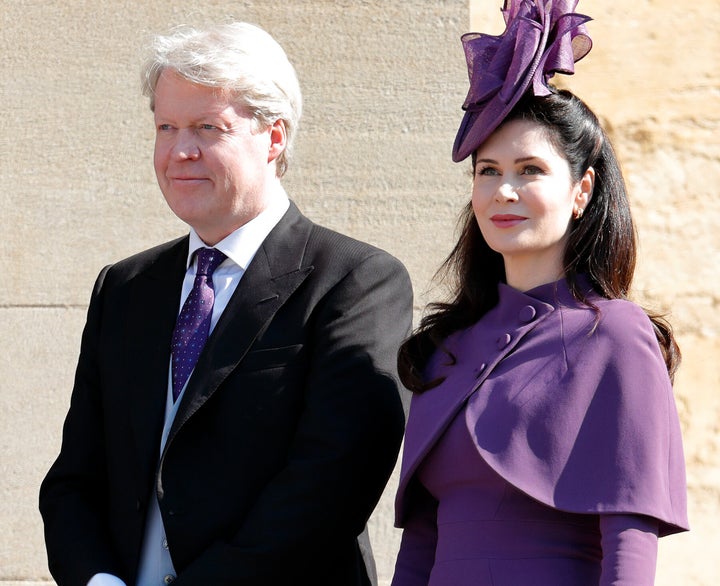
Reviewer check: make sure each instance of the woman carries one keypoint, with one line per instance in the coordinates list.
(543, 444)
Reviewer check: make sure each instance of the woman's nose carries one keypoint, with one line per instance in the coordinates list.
(506, 192)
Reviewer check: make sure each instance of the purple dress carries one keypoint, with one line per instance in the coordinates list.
(550, 454)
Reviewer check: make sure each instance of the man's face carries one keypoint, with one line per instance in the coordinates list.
(213, 166)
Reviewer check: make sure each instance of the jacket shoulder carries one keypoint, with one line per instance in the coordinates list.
(168, 252)
(326, 248)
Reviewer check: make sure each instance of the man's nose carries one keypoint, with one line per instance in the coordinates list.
(186, 145)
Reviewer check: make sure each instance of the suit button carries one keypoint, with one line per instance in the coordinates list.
(164, 543)
(503, 341)
(527, 314)
(168, 579)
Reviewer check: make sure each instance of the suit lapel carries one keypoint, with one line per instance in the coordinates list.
(274, 274)
(154, 297)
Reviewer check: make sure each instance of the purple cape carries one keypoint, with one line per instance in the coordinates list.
(576, 412)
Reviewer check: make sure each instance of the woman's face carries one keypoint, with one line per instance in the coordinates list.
(525, 199)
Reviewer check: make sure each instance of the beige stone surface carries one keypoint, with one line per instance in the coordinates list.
(35, 373)
(80, 170)
(383, 81)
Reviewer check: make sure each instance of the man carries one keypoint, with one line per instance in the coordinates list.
(254, 457)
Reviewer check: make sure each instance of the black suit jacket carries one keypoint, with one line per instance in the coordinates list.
(285, 437)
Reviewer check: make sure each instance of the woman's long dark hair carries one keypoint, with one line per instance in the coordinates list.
(602, 245)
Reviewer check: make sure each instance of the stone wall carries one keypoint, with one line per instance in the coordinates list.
(383, 82)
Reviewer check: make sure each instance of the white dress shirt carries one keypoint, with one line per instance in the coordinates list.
(240, 247)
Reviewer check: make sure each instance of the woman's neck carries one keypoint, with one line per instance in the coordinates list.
(524, 274)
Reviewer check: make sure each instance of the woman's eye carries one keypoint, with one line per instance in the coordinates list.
(487, 171)
(532, 170)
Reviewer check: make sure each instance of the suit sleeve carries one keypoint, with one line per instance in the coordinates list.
(73, 494)
(346, 442)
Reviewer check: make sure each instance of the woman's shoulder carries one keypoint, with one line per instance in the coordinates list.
(615, 331)
(589, 313)
(620, 309)
(622, 320)
(619, 338)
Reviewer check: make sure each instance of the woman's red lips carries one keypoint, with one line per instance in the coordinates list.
(507, 220)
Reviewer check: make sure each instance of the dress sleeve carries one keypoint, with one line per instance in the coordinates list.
(629, 545)
(419, 539)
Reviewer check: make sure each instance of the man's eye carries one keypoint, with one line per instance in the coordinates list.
(164, 127)
(207, 127)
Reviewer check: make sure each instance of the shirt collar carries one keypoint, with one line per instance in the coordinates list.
(241, 245)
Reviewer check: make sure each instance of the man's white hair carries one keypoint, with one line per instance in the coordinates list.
(238, 58)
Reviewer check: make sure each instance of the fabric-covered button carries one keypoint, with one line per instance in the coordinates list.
(503, 341)
(169, 578)
(479, 370)
(527, 314)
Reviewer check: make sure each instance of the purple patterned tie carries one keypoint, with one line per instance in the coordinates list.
(193, 323)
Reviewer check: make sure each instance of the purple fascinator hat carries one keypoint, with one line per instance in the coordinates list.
(541, 37)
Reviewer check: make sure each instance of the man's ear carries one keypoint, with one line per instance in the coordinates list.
(278, 139)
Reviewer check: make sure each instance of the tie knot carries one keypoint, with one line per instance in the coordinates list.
(208, 260)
